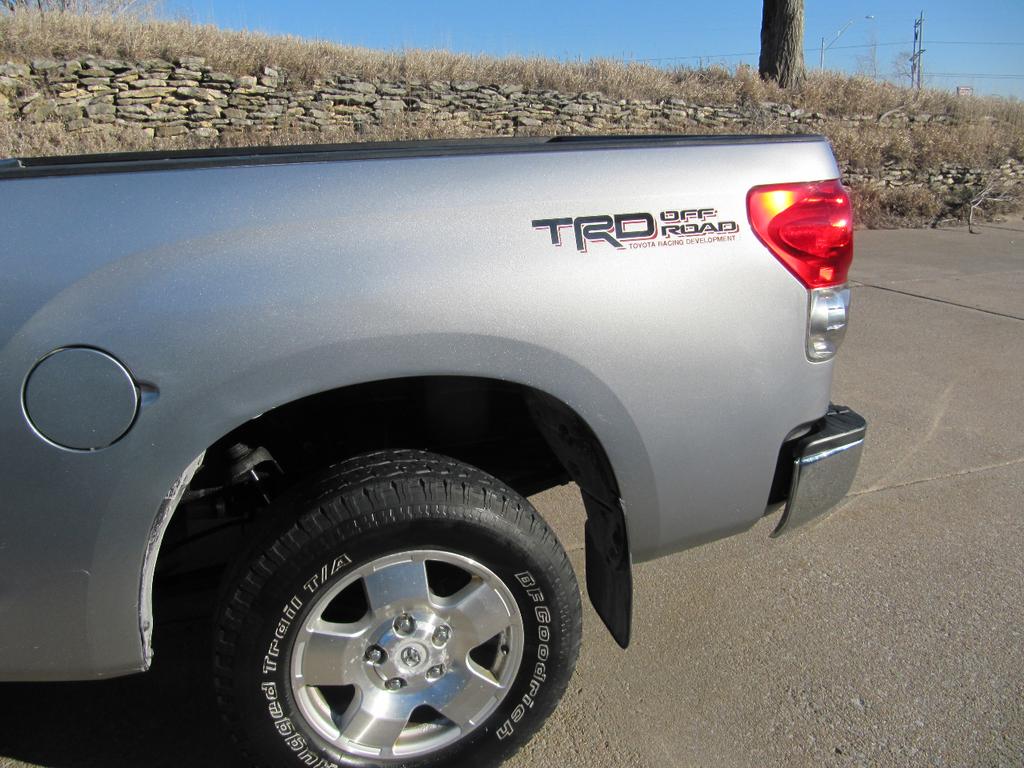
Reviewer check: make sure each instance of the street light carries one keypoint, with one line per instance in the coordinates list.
(846, 26)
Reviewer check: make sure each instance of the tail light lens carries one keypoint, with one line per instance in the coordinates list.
(808, 227)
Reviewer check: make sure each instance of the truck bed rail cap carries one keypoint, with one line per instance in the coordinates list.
(131, 162)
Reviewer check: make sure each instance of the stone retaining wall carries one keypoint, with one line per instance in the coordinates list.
(168, 99)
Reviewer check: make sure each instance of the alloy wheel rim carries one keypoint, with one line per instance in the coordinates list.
(421, 667)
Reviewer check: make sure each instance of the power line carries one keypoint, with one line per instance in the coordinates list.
(834, 48)
(745, 53)
(756, 53)
(701, 56)
(976, 74)
(862, 45)
(969, 42)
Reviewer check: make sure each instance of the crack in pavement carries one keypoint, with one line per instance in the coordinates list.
(958, 473)
(942, 407)
(1004, 229)
(935, 278)
(857, 283)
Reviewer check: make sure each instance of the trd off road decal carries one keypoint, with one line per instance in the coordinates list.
(693, 226)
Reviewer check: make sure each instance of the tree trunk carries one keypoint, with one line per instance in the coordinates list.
(782, 42)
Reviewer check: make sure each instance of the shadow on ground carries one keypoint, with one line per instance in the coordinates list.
(165, 717)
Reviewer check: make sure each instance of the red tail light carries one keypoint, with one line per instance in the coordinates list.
(809, 228)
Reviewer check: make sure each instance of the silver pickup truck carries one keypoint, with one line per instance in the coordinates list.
(316, 385)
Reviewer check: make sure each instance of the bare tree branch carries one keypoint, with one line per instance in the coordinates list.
(988, 194)
(892, 112)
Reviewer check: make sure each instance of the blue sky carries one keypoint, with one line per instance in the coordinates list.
(961, 38)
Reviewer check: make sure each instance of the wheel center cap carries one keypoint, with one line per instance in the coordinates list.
(412, 656)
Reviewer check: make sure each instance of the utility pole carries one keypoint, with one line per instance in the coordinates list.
(916, 61)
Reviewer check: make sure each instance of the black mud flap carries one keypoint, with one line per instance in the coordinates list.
(609, 571)
(609, 568)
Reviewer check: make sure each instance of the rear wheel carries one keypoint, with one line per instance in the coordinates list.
(413, 612)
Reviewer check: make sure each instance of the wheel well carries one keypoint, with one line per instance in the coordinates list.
(523, 437)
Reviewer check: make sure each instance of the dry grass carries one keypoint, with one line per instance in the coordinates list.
(979, 144)
(892, 207)
(26, 35)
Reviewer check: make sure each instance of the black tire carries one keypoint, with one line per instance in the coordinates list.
(359, 512)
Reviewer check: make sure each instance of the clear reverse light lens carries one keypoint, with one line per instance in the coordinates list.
(828, 313)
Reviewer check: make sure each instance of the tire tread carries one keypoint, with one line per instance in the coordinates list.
(350, 497)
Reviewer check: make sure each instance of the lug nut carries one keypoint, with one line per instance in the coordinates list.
(442, 635)
(435, 672)
(394, 684)
(375, 654)
(405, 624)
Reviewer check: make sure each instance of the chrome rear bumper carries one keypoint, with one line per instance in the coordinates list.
(824, 463)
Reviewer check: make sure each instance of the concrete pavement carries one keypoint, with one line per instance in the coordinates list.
(890, 634)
